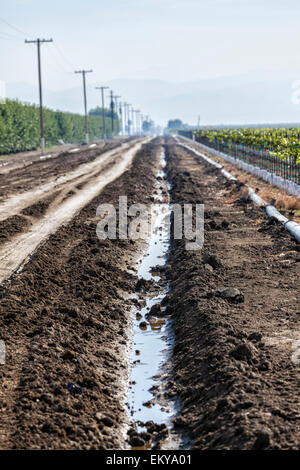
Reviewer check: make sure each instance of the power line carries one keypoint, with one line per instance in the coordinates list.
(26, 34)
(63, 56)
(13, 27)
(11, 36)
(58, 63)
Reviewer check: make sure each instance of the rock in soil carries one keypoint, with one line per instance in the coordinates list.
(230, 293)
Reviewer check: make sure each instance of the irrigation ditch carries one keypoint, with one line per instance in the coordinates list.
(142, 344)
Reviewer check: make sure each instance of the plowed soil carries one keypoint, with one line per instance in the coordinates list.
(66, 317)
(235, 360)
(64, 321)
(35, 172)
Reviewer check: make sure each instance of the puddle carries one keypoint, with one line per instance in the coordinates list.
(152, 335)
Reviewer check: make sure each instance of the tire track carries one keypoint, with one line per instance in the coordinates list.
(15, 203)
(17, 251)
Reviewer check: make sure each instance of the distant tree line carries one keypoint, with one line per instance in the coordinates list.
(177, 124)
(98, 112)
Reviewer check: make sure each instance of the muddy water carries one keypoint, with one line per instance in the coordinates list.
(153, 342)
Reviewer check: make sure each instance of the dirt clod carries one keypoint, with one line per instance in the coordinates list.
(230, 294)
(243, 352)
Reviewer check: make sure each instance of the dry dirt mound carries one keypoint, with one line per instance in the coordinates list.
(235, 306)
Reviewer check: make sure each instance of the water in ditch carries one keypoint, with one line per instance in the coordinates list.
(152, 333)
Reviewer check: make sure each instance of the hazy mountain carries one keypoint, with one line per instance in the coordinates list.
(237, 99)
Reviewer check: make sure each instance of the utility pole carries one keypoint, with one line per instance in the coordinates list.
(84, 72)
(125, 117)
(139, 122)
(102, 88)
(112, 112)
(140, 127)
(121, 117)
(38, 42)
(148, 123)
(132, 119)
(129, 120)
(134, 112)
(116, 105)
(126, 114)
(136, 121)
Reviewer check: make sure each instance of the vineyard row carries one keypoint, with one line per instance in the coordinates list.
(274, 150)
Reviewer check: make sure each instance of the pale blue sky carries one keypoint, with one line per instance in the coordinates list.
(176, 40)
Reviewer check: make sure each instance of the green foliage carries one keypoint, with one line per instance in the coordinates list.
(146, 126)
(175, 124)
(20, 127)
(107, 116)
(280, 142)
(98, 112)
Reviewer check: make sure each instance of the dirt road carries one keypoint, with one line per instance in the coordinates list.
(64, 204)
(27, 191)
(66, 317)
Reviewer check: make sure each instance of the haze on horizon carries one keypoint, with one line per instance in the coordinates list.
(220, 58)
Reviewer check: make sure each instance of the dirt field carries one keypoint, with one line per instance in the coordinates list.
(64, 322)
(236, 370)
(26, 190)
(66, 317)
